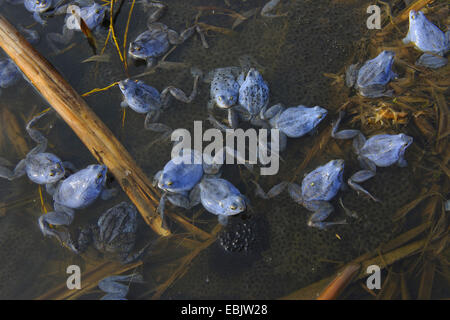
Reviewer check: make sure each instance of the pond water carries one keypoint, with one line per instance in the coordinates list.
(284, 254)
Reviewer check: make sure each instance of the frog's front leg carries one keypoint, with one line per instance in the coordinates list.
(38, 18)
(269, 6)
(273, 192)
(36, 136)
(63, 38)
(351, 74)
(431, 61)
(359, 177)
(107, 194)
(157, 13)
(343, 134)
(321, 209)
(116, 290)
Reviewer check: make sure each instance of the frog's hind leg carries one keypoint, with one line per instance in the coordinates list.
(431, 61)
(63, 38)
(157, 13)
(322, 209)
(351, 74)
(343, 134)
(62, 216)
(273, 192)
(268, 7)
(18, 172)
(179, 94)
(36, 136)
(149, 124)
(359, 177)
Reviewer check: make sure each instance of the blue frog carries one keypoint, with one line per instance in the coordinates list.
(318, 187)
(145, 99)
(371, 79)
(382, 150)
(429, 39)
(78, 191)
(41, 167)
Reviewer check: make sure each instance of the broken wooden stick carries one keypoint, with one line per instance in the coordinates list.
(84, 122)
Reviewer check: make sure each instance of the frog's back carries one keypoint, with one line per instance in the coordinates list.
(383, 149)
(324, 182)
(213, 193)
(298, 121)
(143, 98)
(77, 191)
(376, 71)
(183, 176)
(154, 43)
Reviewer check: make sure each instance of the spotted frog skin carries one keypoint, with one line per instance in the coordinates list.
(429, 39)
(145, 99)
(41, 167)
(243, 95)
(114, 232)
(382, 150)
(318, 187)
(371, 79)
(78, 191)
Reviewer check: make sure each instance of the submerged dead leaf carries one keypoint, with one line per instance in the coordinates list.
(98, 58)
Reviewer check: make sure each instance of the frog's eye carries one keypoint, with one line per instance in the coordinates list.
(136, 81)
(169, 183)
(230, 98)
(319, 116)
(37, 1)
(97, 11)
(137, 48)
(52, 173)
(220, 98)
(233, 207)
(99, 176)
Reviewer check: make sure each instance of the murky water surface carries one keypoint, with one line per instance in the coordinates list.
(283, 254)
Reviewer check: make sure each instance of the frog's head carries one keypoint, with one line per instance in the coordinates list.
(127, 84)
(98, 14)
(253, 74)
(233, 204)
(45, 168)
(96, 175)
(225, 99)
(38, 5)
(318, 114)
(337, 164)
(139, 50)
(415, 17)
(405, 141)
